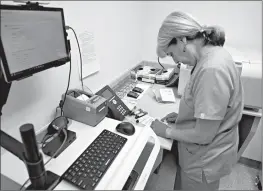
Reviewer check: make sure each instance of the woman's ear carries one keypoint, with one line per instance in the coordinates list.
(183, 39)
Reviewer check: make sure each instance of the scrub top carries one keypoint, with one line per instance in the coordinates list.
(213, 92)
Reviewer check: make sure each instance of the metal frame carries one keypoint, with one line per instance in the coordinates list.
(249, 137)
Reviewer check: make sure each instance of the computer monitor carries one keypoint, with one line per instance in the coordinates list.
(32, 39)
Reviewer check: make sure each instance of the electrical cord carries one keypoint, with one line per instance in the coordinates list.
(62, 104)
(81, 64)
(160, 63)
(66, 137)
(46, 137)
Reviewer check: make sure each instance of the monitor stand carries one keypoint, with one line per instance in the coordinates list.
(52, 181)
(14, 146)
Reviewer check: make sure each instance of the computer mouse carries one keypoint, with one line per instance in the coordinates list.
(125, 128)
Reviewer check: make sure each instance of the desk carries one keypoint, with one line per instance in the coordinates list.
(116, 175)
(159, 110)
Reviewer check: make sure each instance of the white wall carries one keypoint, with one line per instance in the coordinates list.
(117, 30)
(242, 21)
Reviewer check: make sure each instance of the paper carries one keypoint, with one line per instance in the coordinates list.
(83, 97)
(146, 120)
(129, 103)
(90, 58)
(167, 95)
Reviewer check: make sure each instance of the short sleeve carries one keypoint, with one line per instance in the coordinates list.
(211, 92)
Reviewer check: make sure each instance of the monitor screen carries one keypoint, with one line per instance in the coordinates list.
(31, 40)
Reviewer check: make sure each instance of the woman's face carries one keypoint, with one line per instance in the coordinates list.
(176, 51)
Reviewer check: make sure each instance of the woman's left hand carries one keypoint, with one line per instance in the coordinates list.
(159, 128)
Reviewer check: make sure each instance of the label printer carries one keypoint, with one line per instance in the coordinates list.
(85, 108)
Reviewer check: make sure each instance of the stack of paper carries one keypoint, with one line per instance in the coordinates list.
(167, 95)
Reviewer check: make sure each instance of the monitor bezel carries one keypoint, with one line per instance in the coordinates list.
(9, 77)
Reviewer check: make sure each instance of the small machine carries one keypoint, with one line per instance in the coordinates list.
(164, 76)
(83, 107)
(145, 73)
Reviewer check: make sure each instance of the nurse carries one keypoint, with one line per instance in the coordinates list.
(206, 127)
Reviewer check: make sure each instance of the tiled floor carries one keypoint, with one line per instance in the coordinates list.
(241, 178)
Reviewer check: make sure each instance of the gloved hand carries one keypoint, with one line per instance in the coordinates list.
(170, 118)
(159, 128)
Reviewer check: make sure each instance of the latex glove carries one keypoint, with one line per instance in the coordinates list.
(170, 118)
(159, 128)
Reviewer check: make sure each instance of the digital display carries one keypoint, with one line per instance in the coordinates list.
(107, 94)
(32, 38)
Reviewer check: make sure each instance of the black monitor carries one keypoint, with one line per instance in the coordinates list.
(32, 39)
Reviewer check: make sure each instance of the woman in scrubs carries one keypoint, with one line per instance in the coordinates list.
(206, 127)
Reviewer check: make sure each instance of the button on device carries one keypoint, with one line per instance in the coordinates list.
(69, 177)
(80, 182)
(114, 102)
(74, 180)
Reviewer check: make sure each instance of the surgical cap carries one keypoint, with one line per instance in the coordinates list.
(177, 24)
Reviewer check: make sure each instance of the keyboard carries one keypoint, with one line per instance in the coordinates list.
(89, 168)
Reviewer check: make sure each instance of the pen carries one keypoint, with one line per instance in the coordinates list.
(140, 120)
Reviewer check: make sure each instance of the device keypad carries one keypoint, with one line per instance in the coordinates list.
(121, 110)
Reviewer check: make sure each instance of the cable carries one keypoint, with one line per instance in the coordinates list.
(62, 104)
(81, 64)
(160, 63)
(24, 184)
(66, 137)
(89, 90)
(46, 137)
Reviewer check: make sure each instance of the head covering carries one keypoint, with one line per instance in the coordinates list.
(176, 24)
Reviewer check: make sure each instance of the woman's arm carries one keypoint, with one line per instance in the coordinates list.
(211, 95)
(203, 132)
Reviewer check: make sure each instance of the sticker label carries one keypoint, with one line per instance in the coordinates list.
(87, 108)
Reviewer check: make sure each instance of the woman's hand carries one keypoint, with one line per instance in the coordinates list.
(170, 118)
(159, 128)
